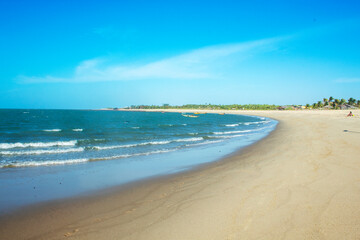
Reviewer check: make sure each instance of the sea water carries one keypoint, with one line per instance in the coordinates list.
(53, 154)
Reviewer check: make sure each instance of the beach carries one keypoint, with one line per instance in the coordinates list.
(300, 182)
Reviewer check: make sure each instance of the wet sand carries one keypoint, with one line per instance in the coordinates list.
(301, 182)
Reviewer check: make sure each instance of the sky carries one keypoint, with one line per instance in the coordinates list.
(95, 54)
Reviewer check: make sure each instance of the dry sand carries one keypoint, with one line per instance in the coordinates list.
(301, 182)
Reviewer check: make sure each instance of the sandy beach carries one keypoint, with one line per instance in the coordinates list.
(300, 182)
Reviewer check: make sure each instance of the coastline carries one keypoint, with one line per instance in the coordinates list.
(298, 182)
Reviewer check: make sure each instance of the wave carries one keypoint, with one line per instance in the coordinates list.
(113, 147)
(189, 139)
(260, 122)
(172, 125)
(38, 152)
(234, 136)
(78, 130)
(147, 143)
(52, 130)
(130, 145)
(131, 155)
(37, 144)
(135, 127)
(231, 132)
(203, 143)
(193, 133)
(232, 125)
(247, 123)
(43, 163)
(76, 161)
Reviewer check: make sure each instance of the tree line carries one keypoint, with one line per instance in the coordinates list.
(326, 103)
(334, 103)
(209, 106)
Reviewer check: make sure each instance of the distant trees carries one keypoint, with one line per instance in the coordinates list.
(351, 101)
(210, 107)
(330, 103)
(336, 103)
(326, 101)
(319, 104)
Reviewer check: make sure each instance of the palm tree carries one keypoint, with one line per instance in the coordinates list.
(307, 106)
(331, 99)
(342, 101)
(351, 101)
(326, 101)
(358, 103)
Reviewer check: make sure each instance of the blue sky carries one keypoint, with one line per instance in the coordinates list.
(93, 54)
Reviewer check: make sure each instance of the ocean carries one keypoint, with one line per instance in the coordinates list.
(52, 154)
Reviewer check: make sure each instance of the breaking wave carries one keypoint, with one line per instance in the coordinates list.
(37, 152)
(52, 130)
(38, 144)
(147, 143)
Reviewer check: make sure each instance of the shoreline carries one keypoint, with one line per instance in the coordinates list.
(213, 201)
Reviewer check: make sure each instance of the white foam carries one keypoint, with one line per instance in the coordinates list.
(37, 144)
(131, 145)
(43, 163)
(238, 135)
(135, 127)
(114, 147)
(231, 132)
(52, 130)
(231, 125)
(155, 143)
(189, 139)
(75, 161)
(204, 143)
(78, 130)
(260, 122)
(132, 155)
(37, 152)
(148, 143)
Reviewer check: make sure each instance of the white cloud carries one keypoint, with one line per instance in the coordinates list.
(197, 64)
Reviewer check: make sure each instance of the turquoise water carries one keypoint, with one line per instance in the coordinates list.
(52, 154)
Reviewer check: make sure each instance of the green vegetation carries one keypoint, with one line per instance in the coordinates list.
(209, 107)
(332, 103)
(326, 103)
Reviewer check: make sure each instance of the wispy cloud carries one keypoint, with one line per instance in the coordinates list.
(197, 64)
(347, 80)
